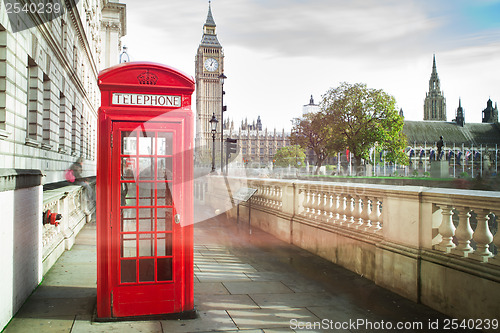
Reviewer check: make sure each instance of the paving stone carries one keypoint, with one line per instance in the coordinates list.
(255, 287)
(225, 267)
(278, 330)
(208, 321)
(61, 324)
(266, 276)
(221, 276)
(56, 307)
(83, 324)
(79, 254)
(224, 302)
(47, 291)
(81, 275)
(210, 288)
(303, 286)
(293, 300)
(270, 318)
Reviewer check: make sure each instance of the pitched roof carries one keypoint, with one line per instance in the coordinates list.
(470, 134)
(210, 40)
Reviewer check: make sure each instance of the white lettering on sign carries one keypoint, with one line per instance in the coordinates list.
(146, 100)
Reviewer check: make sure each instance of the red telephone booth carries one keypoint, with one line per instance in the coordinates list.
(144, 192)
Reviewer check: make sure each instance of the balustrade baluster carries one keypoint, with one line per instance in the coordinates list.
(336, 208)
(275, 197)
(463, 233)
(342, 210)
(330, 207)
(279, 198)
(351, 211)
(358, 222)
(367, 212)
(325, 213)
(312, 204)
(307, 199)
(266, 195)
(271, 197)
(375, 216)
(446, 229)
(321, 205)
(482, 236)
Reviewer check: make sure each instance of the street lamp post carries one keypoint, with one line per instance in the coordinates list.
(222, 77)
(213, 124)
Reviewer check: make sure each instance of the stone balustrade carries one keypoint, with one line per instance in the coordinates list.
(75, 208)
(423, 243)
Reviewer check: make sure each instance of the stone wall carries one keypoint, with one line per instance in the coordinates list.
(29, 248)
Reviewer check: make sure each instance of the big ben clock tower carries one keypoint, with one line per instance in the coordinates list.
(209, 65)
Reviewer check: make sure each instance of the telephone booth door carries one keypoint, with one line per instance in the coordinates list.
(144, 190)
(146, 265)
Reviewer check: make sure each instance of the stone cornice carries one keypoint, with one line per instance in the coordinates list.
(14, 179)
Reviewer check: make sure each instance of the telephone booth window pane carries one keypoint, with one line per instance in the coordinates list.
(146, 245)
(165, 143)
(164, 222)
(146, 168)
(146, 194)
(164, 269)
(129, 246)
(164, 168)
(128, 217)
(146, 144)
(128, 168)
(129, 143)
(128, 194)
(164, 245)
(128, 271)
(164, 195)
(146, 219)
(146, 270)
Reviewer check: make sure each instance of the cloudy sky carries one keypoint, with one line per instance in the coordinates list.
(279, 52)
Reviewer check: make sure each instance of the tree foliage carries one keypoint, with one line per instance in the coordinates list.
(312, 132)
(290, 155)
(358, 117)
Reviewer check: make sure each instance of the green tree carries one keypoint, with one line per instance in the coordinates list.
(359, 117)
(312, 132)
(290, 155)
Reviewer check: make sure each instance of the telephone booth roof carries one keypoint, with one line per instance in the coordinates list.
(148, 75)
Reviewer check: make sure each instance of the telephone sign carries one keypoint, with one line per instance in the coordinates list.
(144, 192)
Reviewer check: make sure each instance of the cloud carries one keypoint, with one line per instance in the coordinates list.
(325, 28)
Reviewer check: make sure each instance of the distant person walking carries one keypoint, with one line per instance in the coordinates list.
(76, 168)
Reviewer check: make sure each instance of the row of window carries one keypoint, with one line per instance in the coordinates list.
(53, 121)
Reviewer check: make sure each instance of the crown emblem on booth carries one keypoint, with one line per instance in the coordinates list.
(147, 78)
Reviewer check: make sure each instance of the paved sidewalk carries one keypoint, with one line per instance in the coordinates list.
(244, 282)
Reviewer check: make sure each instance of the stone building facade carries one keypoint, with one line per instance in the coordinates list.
(49, 96)
(256, 145)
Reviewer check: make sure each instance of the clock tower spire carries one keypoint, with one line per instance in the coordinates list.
(209, 64)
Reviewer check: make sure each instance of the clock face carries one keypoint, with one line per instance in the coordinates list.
(211, 65)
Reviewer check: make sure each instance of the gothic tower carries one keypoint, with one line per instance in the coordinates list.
(209, 64)
(490, 114)
(460, 116)
(435, 103)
